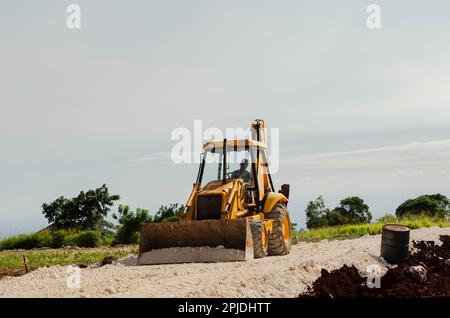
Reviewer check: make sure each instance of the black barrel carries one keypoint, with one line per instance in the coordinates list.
(395, 243)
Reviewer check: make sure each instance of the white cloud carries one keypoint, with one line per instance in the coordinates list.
(418, 154)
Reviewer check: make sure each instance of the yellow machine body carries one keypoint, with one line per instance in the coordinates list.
(220, 214)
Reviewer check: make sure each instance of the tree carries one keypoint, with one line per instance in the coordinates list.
(87, 211)
(315, 213)
(169, 213)
(431, 204)
(353, 210)
(129, 223)
(335, 218)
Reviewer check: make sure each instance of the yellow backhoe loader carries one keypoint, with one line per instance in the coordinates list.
(233, 212)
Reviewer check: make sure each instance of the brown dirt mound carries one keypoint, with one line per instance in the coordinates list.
(347, 282)
(12, 272)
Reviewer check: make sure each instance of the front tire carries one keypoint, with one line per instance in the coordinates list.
(259, 235)
(280, 237)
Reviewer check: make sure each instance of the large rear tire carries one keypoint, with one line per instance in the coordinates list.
(280, 237)
(259, 235)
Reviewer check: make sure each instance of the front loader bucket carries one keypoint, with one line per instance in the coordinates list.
(195, 241)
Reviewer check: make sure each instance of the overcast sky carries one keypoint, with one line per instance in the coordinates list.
(361, 111)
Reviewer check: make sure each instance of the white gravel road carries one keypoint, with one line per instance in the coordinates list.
(281, 276)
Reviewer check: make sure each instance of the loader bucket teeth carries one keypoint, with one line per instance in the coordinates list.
(195, 241)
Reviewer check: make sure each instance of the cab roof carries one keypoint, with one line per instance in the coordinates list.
(235, 144)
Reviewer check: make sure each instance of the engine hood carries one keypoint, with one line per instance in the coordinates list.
(218, 187)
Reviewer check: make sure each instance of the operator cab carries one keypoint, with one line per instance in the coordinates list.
(238, 161)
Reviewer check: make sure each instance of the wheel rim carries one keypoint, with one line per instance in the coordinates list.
(285, 229)
(264, 238)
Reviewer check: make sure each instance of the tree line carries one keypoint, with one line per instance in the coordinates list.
(88, 211)
(353, 210)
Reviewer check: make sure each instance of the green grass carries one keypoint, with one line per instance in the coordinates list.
(48, 257)
(56, 239)
(357, 230)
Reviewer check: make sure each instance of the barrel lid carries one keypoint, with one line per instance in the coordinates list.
(395, 228)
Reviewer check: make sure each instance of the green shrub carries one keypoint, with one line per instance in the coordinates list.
(169, 213)
(135, 237)
(26, 241)
(58, 239)
(130, 223)
(13, 242)
(43, 239)
(70, 239)
(388, 218)
(107, 241)
(356, 230)
(433, 205)
(89, 239)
